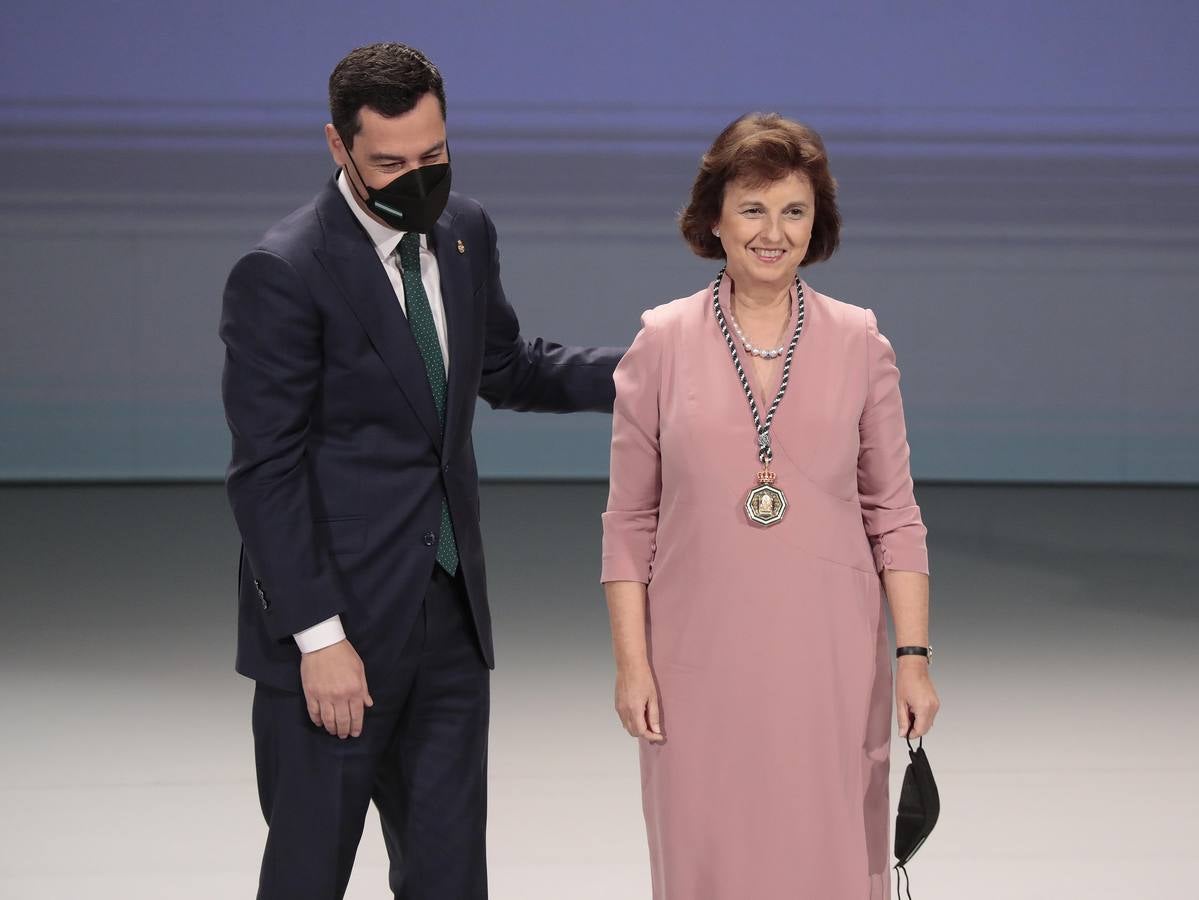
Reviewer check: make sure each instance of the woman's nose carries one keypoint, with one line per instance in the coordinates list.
(772, 230)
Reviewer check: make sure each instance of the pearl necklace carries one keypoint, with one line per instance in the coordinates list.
(757, 351)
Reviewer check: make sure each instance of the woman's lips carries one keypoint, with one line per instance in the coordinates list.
(768, 256)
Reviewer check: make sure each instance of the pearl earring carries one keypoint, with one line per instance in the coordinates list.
(716, 231)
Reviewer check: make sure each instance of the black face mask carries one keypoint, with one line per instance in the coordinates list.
(919, 807)
(413, 201)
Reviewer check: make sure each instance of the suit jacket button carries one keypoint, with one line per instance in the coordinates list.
(429, 539)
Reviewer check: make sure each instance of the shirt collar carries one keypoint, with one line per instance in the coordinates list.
(384, 237)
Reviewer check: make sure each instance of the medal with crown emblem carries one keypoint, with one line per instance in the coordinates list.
(766, 503)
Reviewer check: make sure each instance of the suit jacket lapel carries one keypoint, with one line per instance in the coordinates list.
(456, 294)
(350, 259)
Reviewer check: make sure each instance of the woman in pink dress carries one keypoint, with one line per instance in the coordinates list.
(761, 503)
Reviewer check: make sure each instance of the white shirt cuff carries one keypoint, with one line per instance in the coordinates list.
(321, 635)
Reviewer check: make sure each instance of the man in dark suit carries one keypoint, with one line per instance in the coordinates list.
(358, 334)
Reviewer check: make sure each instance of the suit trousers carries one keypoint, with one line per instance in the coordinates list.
(421, 757)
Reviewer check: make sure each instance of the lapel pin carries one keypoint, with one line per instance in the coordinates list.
(461, 246)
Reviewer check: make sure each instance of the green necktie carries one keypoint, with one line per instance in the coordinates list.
(420, 319)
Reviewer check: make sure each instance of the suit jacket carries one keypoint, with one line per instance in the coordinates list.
(339, 458)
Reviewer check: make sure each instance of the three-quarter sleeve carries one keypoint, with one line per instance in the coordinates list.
(635, 486)
(889, 511)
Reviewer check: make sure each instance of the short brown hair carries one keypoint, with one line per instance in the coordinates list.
(762, 148)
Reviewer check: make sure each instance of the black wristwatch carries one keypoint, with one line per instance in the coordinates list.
(915, 651)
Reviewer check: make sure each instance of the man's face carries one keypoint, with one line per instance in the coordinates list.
(386, 148)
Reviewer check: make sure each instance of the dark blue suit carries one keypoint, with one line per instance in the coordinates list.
(338, 467)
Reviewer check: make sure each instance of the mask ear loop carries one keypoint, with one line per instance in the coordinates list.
(900, 867)
(354, 187)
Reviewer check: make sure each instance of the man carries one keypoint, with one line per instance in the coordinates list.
(358, 335)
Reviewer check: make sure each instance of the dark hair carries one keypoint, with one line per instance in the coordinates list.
(762, 148)
(389, 78)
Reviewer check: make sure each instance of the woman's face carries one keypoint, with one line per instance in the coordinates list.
(765, 229)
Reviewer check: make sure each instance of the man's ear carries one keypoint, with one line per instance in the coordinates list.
(336, 148)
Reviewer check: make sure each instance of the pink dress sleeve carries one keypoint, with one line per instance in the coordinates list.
(631, 519)
(889, 510)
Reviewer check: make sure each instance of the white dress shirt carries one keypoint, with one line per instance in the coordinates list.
(385, 239)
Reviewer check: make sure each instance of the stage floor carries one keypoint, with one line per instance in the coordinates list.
(1065, 621)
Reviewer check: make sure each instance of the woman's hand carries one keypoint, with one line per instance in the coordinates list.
(637, 702)
(916, 701)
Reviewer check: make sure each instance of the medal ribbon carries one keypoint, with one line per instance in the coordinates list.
(765, 451)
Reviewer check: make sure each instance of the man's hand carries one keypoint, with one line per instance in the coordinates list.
(335, 688)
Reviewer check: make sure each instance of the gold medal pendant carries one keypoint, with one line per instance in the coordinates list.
(765, 504)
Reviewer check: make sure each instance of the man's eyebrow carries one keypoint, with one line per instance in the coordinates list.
(391, 157)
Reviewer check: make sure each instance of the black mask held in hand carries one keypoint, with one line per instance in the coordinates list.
(919, 807)
(413, 201)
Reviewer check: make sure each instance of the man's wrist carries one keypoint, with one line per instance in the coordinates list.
(321, 635)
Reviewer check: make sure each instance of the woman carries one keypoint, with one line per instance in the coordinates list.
(759, 489)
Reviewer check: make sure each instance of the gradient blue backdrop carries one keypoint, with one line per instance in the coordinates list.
(1020, 183)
